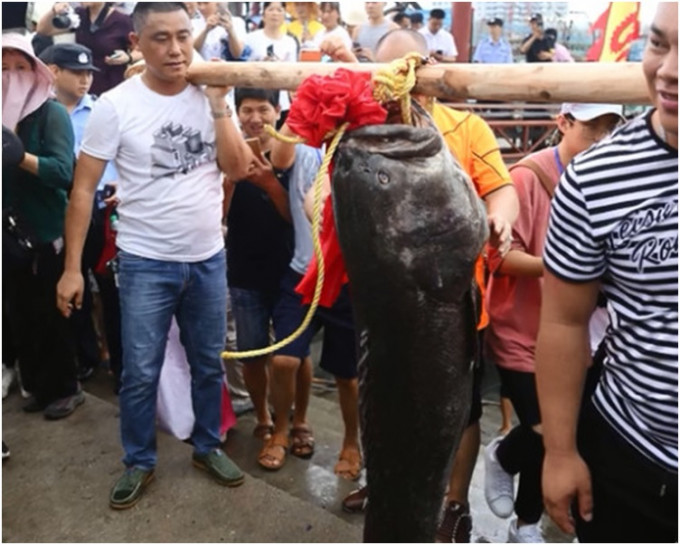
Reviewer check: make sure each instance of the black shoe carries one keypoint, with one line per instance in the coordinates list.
(34, 406)
(5, 451)
(357, 501)
(84, 373)
(63, 407)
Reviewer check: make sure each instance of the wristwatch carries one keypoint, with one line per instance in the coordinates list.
(222, 113)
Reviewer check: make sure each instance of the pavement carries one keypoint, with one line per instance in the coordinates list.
(56, 483)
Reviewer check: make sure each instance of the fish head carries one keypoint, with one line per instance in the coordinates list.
(405, 210)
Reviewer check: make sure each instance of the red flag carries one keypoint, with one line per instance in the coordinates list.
(616, 29)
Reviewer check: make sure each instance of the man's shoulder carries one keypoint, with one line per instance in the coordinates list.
(629, 137)
(447, 116)
(123, 91)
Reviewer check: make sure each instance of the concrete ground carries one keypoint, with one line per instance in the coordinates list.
(55, 485)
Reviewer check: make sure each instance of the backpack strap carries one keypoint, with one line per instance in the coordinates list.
(547, 183)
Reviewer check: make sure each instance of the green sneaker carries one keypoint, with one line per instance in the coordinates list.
(222, 469)
(129, 488)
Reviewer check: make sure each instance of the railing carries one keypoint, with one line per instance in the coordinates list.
(519, 127)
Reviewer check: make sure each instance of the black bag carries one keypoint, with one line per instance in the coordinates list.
(19, 244)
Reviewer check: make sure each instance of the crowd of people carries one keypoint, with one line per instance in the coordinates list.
(135, 201)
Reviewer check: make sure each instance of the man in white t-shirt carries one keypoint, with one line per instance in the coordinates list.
(439, 41)
(170, 142)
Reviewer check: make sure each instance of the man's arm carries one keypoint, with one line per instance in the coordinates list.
(502, 208)
(234, 41)
(78, 214)
(527, 43)
(562, 358)
(228, 187)
(519, 263)
(282, 155)
(234, 156)
(210, 23)
(262, 175)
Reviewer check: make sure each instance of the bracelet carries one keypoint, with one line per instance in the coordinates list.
(223, 113)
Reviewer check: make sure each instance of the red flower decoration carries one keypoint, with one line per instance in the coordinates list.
(323, 103)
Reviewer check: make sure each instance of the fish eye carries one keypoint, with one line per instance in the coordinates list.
(383, 178)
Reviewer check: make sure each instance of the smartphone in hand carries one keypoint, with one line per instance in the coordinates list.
(254, 144)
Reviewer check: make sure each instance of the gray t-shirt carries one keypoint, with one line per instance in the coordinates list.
(305, 169)
(369, 35)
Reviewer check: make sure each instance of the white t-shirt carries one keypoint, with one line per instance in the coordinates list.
(320, 36)
(170, 186)
(212, 45)
(442, 41)
(285, 49)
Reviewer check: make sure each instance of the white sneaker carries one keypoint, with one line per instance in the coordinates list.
(529, 533)
(499, 485)
(8, 376)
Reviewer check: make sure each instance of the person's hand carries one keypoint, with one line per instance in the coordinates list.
(113, 198)
(437, 56)
(227, 22)
(70, 292)
(60, 7)
(364, 53)
(13, 151)
(216, 93)
(565, 478)
(537, 33)
(546, 55)
(117, 58)
(500, 233)
(260, 173)
(212, 21)
(134, 69)
(335, 48)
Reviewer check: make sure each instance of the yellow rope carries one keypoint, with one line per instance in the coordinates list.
(393, 83)
(316, 228)
(271, 131)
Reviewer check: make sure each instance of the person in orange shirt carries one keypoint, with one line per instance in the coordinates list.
(473, 143)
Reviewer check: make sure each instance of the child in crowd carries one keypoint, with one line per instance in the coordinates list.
(514, 302)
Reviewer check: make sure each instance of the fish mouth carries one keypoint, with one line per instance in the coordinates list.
(394, 141)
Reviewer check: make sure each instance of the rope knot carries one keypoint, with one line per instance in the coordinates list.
(395, 82)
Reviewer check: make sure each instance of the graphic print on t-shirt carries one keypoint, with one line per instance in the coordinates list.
(177, 149)
(651, 234)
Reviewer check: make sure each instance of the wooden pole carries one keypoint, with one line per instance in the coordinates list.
(619, 83)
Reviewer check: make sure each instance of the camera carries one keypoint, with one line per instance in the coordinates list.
(270, 51)
(66, 20)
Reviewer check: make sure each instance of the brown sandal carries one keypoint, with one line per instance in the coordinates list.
(273, 453)
(349, 464)
(263, 431)
(303, 442)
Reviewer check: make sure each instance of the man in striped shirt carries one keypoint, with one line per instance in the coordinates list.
(614, 228)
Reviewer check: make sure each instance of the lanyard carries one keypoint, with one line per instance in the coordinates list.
(560, 167)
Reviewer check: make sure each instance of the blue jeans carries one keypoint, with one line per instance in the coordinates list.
(151, 292)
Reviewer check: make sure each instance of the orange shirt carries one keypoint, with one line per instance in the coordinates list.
(473, 143)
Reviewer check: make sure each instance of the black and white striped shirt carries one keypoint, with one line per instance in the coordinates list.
(615, 217)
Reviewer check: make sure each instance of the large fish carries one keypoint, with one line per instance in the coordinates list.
(410, 226)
